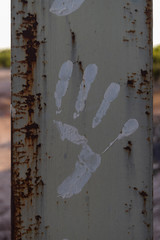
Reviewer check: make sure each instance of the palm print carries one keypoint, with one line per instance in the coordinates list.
(88, 161)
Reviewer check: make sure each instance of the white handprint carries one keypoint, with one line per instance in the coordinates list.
(65, 7)
(88, 161)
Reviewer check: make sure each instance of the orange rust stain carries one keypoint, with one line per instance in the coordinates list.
(125, 40)
(130, 83)
(80, 66)
(73, 37)
(131, 31)
(128, 149)
(23, 1)
(29, 185)
(148, 13)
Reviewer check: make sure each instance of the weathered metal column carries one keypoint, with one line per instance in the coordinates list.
(81, 119)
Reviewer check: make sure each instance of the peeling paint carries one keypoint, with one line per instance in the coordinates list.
(65, 7)
(88, 78)
(65, 74)
(110, 95)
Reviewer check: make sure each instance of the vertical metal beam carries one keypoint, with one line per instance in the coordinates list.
(69, 59)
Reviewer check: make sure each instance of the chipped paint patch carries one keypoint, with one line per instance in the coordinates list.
(87, 164)
(128, 129)
(65, 74)
(88, 78)
(65, 7)
(110, 95)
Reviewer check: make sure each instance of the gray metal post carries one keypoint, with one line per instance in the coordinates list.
(82, 119)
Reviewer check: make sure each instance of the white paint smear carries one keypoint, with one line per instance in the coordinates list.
(87, 164)
(70, 133)
(12, 111)
(65, 7)
(88, 161)
(88, 78)
(110, 95)
(65, 74)
(129, 128)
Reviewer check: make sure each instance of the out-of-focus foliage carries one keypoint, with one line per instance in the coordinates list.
(5, 58)
(156, 63)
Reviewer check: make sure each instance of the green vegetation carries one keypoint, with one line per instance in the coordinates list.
(156, 63)
(5, 58)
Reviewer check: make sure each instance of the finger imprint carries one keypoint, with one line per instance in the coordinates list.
(65, 74)
(110, 95)
(128, 129)
(65, 7)
(88, 78)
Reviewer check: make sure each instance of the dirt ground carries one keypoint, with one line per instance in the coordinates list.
(5, 128)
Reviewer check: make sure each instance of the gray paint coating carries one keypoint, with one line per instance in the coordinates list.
(116, 203)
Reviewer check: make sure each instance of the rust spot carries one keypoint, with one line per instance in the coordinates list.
(129, 143)
(148, 12)
(133, 22)
(24, 1)
(147, 113)
(139, 91)
(147, 224)
(73, 37)
(80, 66)
(143, 194)
(130, 31)
(31, 131)
(128, 149)
(125, 40)
(148, 139)
(144, 73)
(20, 12)
(130, 83)
(29, 186)
(38, 218)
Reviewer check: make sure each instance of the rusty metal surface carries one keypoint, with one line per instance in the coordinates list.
(116, 203)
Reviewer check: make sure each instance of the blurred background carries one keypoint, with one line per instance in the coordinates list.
(5, 126)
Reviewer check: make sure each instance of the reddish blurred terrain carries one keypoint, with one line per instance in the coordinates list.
(5, 128)
(5, 152)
